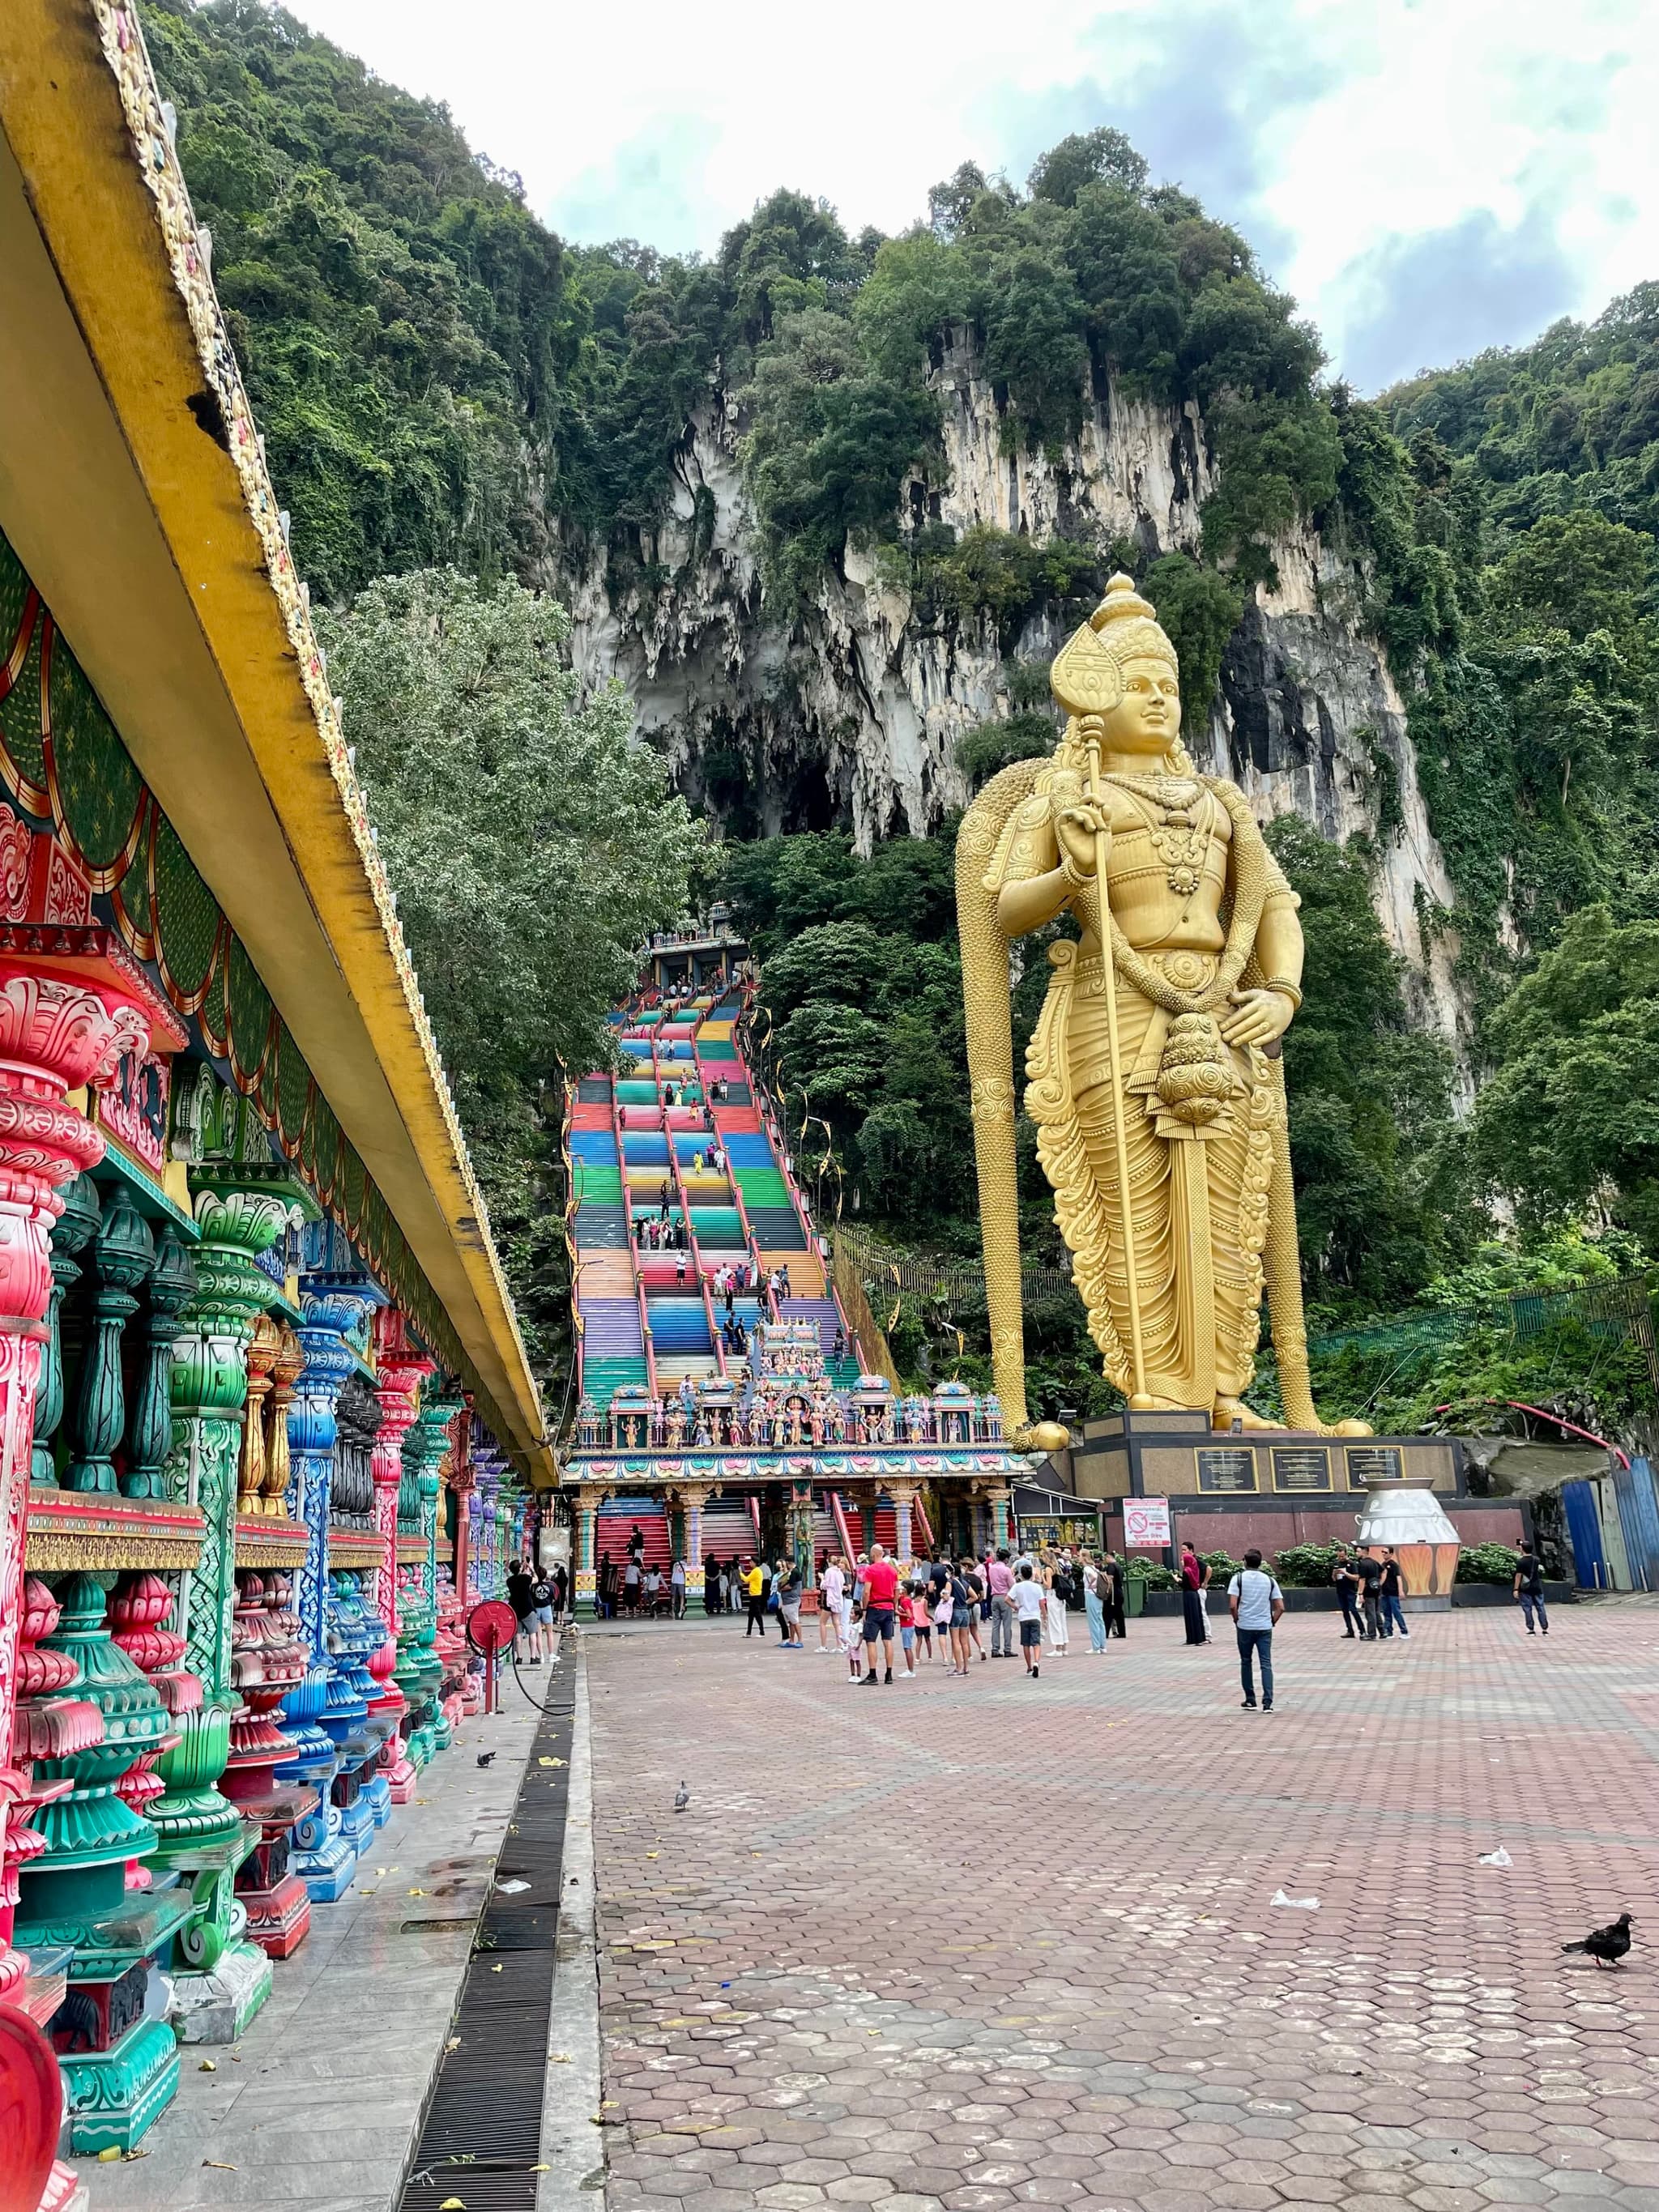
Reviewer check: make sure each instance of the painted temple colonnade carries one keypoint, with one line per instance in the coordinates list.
(237, 1362)
(225, 1736)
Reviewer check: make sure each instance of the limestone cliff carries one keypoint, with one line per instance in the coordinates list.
(852, 715)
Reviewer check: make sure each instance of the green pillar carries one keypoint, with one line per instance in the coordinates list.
(220, 1980)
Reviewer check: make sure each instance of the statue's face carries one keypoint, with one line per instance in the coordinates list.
(1147, 719)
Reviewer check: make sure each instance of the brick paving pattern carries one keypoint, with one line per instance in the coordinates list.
(962, 1946)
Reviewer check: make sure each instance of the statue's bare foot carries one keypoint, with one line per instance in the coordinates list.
(1230, 1410)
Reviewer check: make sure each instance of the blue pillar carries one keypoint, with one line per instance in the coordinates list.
(334, 1740)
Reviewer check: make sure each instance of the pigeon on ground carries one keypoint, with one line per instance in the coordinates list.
(682, 1798)
(1607, 1946)
(484, 1758)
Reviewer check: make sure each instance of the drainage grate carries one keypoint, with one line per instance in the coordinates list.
(481, 2139)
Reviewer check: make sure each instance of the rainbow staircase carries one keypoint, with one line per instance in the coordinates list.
(641, 1148)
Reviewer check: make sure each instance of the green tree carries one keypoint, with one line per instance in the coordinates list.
(1379, 1192)
(1569, 1120)
(532, 845)
(1089, 157)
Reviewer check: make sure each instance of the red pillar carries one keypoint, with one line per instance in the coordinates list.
(56, 1036)
(399, 1370)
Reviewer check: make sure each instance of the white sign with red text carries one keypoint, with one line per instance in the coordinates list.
(1145, 1523)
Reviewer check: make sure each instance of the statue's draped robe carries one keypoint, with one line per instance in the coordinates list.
(1199, 1195)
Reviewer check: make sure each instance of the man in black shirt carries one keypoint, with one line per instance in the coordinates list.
(1343, 1574)
(1530, 1589)
(1393, 1589)
(521, 1596)
(1370, 1572)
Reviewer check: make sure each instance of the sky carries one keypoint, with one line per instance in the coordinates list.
(1428, 176)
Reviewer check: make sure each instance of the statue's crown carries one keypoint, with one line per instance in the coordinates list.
(1087, 676)
(1122, 603)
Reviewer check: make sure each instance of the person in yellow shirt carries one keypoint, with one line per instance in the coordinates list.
(754, 1585)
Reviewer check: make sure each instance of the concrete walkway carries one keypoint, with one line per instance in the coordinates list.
(962, 1946)
(319, 2105)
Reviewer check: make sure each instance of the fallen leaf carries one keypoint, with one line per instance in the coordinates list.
(495, 1969)
(418, 1893)
(558, 2059)
(219, 2165)
(654, 1855)
(453, 2204)
(208, 2066)
(454, 2044)
(548, 2169)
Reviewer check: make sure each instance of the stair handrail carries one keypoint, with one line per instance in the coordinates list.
(693, 1251)
(573, 1204)
(715, 1338)
(647, 1340)
(838, 1515)
(646, 1336)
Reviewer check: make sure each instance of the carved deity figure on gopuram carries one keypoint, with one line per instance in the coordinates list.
(1154, 1067)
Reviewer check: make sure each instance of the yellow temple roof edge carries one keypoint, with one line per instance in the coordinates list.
(132, 481)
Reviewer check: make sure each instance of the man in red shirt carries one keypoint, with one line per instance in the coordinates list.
(880, 1580)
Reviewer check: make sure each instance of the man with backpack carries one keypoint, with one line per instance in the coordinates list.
(1369, 1568)
(541, 1635)
(1529, 1588)
(1256, 1602)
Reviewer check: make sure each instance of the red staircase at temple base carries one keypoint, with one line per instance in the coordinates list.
(617, 1524)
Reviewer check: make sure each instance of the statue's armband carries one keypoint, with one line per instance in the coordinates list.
(1026, 847)
(1279, 893)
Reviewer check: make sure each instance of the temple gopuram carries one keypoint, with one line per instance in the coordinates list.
(266, 1425)
(730, 1403)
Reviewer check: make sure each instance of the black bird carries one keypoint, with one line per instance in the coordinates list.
(1607, 1946)
(484, 1758)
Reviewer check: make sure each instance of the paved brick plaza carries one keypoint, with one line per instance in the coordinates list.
(975, 1944)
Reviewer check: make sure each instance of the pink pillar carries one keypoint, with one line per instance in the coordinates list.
(55, 1037)
(398, 1373)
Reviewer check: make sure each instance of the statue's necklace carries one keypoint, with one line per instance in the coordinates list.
(1179, 814)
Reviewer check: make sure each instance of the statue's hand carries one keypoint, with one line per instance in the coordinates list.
(1261, 1017)
(1078, 828)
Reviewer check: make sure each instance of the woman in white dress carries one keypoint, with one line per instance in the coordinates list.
(832, 1585)
(1054, 1608)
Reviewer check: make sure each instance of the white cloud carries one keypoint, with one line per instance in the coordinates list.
(1335, 134)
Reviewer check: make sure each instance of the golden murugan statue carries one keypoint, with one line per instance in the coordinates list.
(1155, 1071)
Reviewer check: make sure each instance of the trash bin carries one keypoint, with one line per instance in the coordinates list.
(1134, 1591)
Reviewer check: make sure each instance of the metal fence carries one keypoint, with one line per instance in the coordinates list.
(1620, 1311)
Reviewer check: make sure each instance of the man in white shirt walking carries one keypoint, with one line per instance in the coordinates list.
(1255, 1602)
(1028, 1595)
